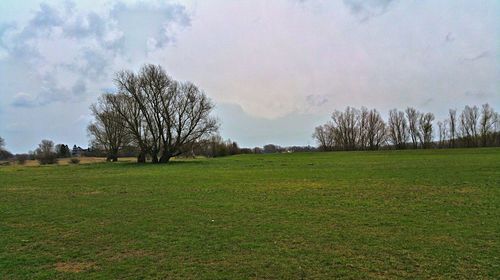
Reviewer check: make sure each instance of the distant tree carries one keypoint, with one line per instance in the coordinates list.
(425, 132)
(45, 153)
(63, 151)
(375, 130)
(443, 132)
(453, 127)
(469, 125)
(324, 136)
(346, 128)
(214, 146)
(413, 117)
(486, 124)
(257, 150)
(398, 129)
(496, 129)
(233, 147)
(271, 148)
(362, 127)
(21, 158)
(108, 130)
(4, 154)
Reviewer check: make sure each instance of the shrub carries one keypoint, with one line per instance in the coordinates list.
(46, 154)
(74, 160)
(21, 159)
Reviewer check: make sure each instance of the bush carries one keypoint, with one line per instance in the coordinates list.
(21, 159)
(74, 160)
(47, 159)
(46, 154)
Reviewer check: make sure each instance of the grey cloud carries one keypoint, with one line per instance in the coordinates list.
(86, 25)
(316, 100)
(25, 100)
(79, 88)
(46, 16)
(49, 92)
(95, 64)
(483, 54)
(427, 102)
(166, 15)
(366, 9)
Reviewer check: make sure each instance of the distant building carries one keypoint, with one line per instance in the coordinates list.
(77, 151)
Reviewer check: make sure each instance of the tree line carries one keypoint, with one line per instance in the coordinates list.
(365, 129)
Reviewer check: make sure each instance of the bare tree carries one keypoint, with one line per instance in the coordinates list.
(45, 153)
(346, 126)
(355, 129)
(469, 125)
(375, 130)
(363, 128)
(398, 129)
(325, 137)
(453, 127)
(496, 129)
(2, 143)
(486, 124)
(413, 117)
(108, 130)
(443, 132)
(125, 105)
(166, 115)
(425, 130)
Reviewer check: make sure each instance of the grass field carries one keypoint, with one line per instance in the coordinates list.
(391, 214)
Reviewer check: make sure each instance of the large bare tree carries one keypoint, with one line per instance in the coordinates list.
(164, 116)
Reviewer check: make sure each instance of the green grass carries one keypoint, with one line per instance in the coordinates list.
(390, 214)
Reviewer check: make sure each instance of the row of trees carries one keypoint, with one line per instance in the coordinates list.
(364, 129)
(159, 116)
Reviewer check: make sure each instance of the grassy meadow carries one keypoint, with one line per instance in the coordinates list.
(388, 214)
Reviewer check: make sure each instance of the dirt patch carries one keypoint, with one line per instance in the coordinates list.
(74, 267)
(131, 254)
(91, 193)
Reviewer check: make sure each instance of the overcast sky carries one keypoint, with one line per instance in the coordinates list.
(275, 69)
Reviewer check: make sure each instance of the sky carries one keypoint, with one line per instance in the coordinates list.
(275, 69)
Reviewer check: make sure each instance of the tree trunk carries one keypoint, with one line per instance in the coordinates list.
(141, 158)
(112, 158)
(154, 157)
(165, 157)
